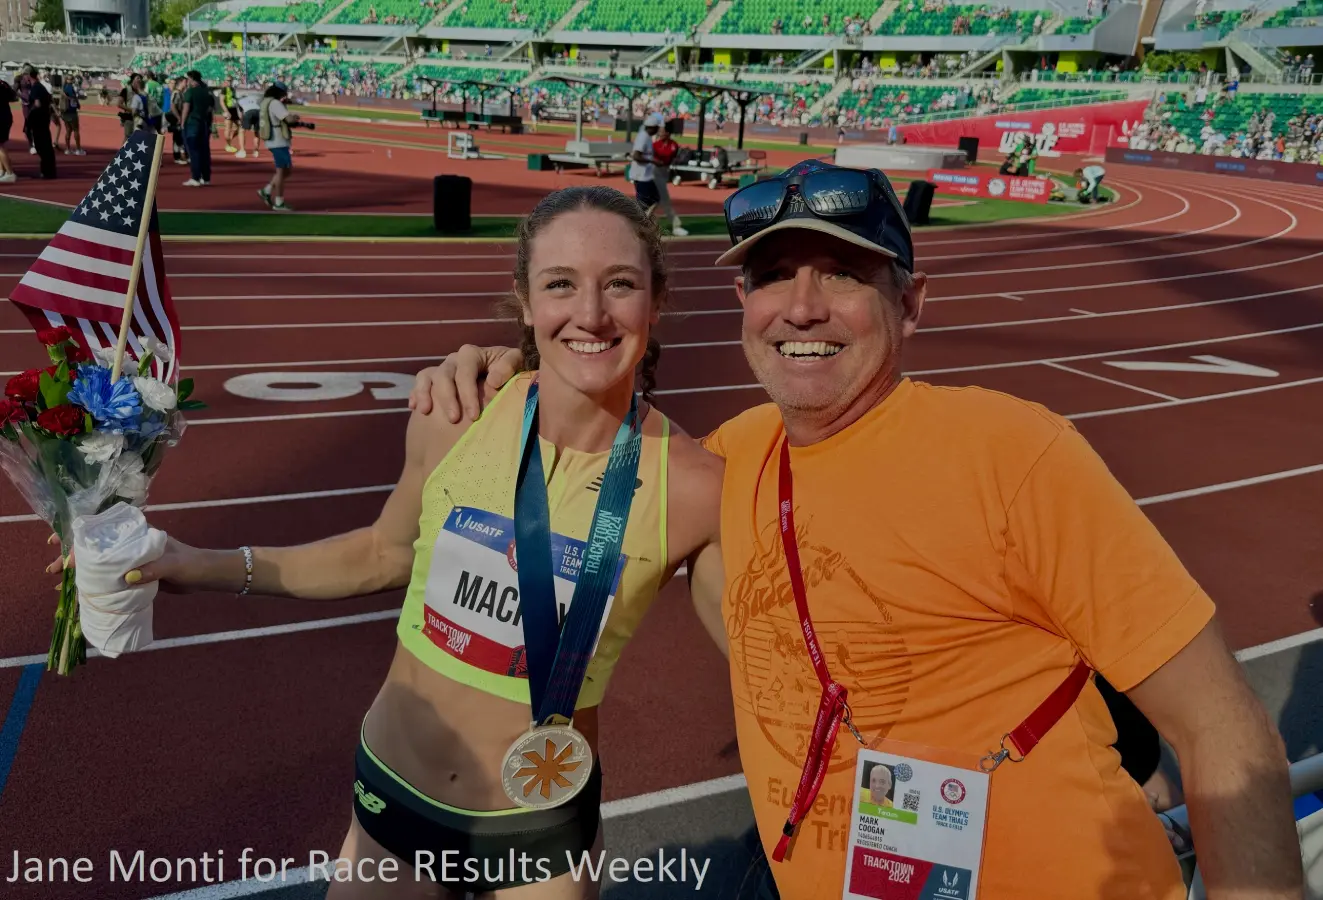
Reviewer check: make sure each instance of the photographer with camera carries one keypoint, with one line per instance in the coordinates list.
(275, 123)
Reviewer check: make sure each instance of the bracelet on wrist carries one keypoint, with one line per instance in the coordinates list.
(248, 569)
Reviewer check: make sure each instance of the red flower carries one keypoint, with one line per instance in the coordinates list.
(75, 354)
(63, 420)
(24, 386)
(11, 412)
(52, 336)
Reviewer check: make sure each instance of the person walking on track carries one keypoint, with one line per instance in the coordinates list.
(929, 579)
(273, 122)
(40, 109)
(447, 762)
(664, 151)
(641, 164)
(195, 113)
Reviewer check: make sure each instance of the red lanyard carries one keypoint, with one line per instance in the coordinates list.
(833, 709)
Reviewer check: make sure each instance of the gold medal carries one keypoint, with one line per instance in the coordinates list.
(546, 766)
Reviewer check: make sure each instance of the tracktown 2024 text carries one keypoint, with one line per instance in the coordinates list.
(138, 867)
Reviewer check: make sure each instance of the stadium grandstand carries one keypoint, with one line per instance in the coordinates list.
(1220, 76)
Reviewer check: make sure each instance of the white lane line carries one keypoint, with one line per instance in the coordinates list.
(1160, 256)
(241, 634)
(1011, 297)
(1104, 378)
(1203, 398)
(1082, 312)
(985, 367)
(1164, 236)
(1230, 485)
(236, 501)
(1287, 643)
(629, 806)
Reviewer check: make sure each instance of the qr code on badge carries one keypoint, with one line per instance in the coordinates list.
(911, 801)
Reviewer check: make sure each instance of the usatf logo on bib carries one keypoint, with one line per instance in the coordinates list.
(471, 604)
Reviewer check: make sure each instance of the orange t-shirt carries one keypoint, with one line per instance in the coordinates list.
(962, 549)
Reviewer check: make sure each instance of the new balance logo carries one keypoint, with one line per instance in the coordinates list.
(371, 802)
(596, 484)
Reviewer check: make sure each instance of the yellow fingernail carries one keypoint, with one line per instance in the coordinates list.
(133, 577)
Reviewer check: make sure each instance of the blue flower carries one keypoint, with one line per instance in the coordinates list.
(114, 406)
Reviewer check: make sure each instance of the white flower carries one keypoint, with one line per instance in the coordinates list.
(105, 356)
(129, 479)
(101, 446)
(156, 394)
(158, 349)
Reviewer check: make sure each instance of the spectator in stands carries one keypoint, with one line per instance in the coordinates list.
(39, 120)
(641, 165)
(7, 96)
(198, 109)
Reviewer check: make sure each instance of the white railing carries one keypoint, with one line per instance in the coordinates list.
(59, 37)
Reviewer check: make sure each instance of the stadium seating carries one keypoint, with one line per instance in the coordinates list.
(1225, 21)
(889, 100)
(167, 63)
(306, 12)
(676, 16)
(1283, 17)
(465, 73)
(1231, 116)
(1063, 96)
(404, 12)
(758, 16)
(1077, 25)
(912, 19)
(535, 14)
(314, 66)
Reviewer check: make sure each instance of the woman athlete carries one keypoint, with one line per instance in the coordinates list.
(590, 279)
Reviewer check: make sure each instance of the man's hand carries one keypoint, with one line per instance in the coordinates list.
(454, 387)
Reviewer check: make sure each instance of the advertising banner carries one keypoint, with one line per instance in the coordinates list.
(1267, 169)
(974, 183)
(1066, 129)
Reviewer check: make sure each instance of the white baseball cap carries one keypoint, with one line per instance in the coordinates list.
(655, 120)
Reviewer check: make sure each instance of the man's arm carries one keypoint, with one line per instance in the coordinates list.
(1233, 770)
(707, 580)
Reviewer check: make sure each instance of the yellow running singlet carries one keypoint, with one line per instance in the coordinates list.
(461, 613)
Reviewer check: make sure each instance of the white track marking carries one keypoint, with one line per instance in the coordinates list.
(238, 501)
(1230, 485)
(1160, 256)
(1010, 297)
(1203, 398)
(1104, 378)
(1277, 646)
(1082, 312)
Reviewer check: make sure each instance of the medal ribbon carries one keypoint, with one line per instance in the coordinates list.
(558, 656)
(832, 707)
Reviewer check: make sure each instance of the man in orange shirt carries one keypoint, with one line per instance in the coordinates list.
(959, 560)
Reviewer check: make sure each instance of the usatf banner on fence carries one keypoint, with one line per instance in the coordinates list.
(1267, 169)
(997, 187)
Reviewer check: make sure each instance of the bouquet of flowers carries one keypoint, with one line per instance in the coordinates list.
(75, 442)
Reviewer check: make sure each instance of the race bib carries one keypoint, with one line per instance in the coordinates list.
(471, 601)
(916, 829)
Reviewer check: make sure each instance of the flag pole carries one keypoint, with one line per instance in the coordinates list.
(148, 210)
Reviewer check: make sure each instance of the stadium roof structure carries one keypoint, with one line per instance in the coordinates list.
(482, 86)
(628, 88)
(743, 95)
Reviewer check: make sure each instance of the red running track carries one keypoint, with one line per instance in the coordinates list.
(348, 166)
(226, 744)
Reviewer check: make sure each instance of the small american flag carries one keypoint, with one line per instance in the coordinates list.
(81, 279)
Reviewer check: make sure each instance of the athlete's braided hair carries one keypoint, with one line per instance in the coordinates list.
(606, 199)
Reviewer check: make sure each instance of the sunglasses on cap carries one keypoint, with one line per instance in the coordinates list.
(857, 201)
